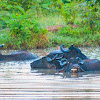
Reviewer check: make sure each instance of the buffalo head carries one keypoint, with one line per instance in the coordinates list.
(73, 52)
(73, 65)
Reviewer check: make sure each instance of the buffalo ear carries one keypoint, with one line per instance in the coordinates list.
(64, 51)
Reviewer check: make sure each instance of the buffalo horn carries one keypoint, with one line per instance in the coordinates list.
(58, 58)
(65, 51)
(63, 62)
(49, 59)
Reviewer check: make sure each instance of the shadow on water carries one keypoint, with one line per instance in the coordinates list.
(19, 82)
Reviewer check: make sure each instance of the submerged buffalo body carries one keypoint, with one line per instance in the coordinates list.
(20, 55)
(91, 65)
(79, 65)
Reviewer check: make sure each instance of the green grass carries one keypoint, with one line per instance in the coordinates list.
(52, 19)
(88, 40)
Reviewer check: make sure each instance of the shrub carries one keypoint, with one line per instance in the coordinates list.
(26, 32)
(83, 14)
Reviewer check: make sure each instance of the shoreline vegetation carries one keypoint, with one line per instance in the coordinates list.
(49, 23)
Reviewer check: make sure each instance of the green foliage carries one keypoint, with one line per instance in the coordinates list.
(5, 39)
(4, 18)
(25, 31)
(9, 4)
(77, 31)
(24, 21)
(69, 11)
(84, 14)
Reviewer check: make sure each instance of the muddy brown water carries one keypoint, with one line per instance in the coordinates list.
(19, 82)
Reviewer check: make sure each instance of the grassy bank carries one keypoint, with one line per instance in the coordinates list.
(88, 40)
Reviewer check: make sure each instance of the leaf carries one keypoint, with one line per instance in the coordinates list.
(45, 6)
(20, 9)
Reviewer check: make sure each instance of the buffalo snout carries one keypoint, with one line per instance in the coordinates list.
(75, 68)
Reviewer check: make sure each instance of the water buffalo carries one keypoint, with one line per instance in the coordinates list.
(19, 55)
(79, 65)
(58, 58)
(49, 61)
(72, 51)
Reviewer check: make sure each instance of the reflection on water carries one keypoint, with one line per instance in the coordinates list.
(18, 81)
